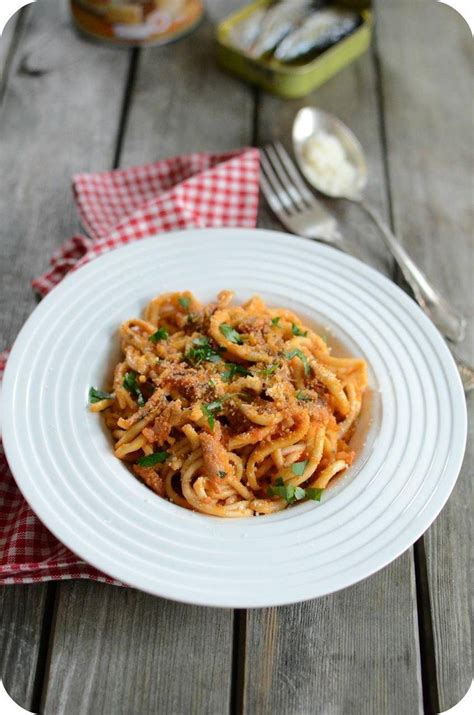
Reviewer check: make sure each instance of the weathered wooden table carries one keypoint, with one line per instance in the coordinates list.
(399, 642)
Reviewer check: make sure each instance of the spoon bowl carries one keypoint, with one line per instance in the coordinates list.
(309, 122)
(348, 159)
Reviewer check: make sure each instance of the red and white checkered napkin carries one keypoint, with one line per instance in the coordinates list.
(116, 208)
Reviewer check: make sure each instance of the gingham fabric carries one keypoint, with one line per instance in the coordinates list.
(193, 191)
(116, 208)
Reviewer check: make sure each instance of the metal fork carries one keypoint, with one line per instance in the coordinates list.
(292, 203)
(301, 213)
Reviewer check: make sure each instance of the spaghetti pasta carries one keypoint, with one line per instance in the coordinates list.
(232, 411)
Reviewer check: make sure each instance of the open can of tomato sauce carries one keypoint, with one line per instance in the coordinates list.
(136, 23)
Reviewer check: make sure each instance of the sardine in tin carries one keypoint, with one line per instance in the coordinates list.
(286, 80)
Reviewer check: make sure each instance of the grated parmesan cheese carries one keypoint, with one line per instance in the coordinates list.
(326, 160)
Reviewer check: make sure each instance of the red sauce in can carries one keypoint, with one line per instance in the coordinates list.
(137, 22)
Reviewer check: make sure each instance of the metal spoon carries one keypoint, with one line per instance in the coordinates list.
(308, 122)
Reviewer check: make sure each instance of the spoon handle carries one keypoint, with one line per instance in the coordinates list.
(446, 318)
(465, 371)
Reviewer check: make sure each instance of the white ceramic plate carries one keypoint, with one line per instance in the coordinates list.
(410, 452)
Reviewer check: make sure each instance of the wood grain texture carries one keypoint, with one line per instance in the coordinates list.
(116, 650)
(6, 40)
(151, 655)
(430, 149)
(357, 650)
(59, 116)
(21, 620)
(344, 654)
(183, 103)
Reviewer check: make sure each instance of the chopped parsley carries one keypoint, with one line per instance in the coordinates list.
(269, 370)
(302, 396)
(130, 384)
(276, 320)
(290, 493)
(151, 459)
(314, 493)
(222, 474)
(184, 302)
(201, 351)
(192, 317)
(210, 410)
(297, 331)
(298, 468)
(98, 395)
(232, 335)
(233, 369)
(161, 334)
(299, 354)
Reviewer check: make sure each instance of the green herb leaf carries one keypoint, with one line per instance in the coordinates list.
(299, 354)
(232, 370)
(161, 334)
(209, 410)
(276, 320)
(98, 395)
(297, 331)
(278, 491)
(222, 474)
(288, 492)
(184, 302)
(298, 468)
(314, 493)
(300, 493)
(215, 406)
(192, 317)
(211, 421)
(130, 384)
(202, 351)
(269, 370)
(302, 396)
(232, 335)
(151, 459)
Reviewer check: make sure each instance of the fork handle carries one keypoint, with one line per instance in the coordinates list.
(446, 318)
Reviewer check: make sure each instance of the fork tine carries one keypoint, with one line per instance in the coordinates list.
(271, 196)
(278, 187)
(293, 173)
(279, 170)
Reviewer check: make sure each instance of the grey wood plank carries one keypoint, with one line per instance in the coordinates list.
(116, 650)
(5, 42)
(51, 125)
(357, 650)
(155, 653)
(21, 619)
(188, 105)
(339, 655)
(429, 131)
(59, 116)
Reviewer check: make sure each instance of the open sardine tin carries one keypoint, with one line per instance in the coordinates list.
(291, 80)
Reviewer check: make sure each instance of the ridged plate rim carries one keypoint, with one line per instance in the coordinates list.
(112, 523)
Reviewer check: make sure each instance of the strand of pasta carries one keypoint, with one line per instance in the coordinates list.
(277, 431)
